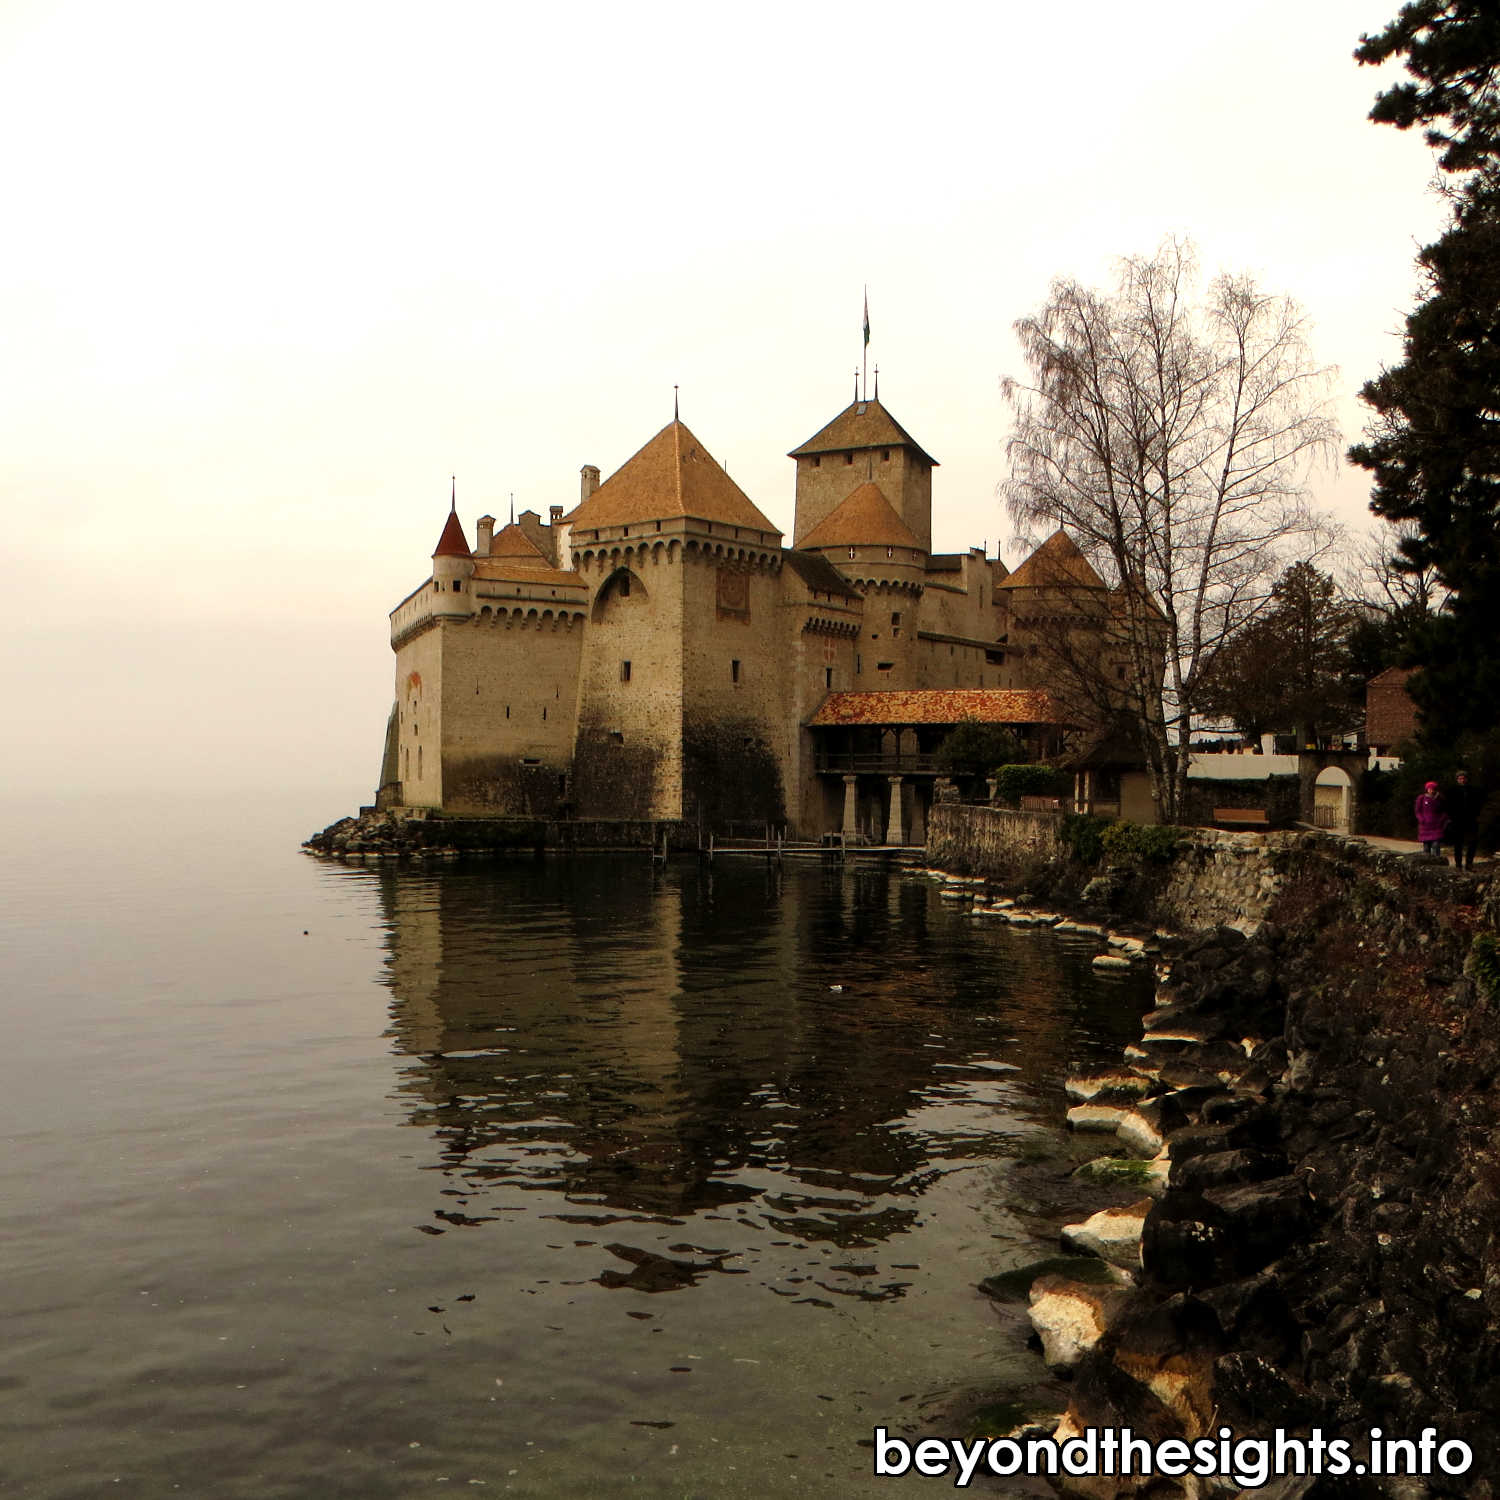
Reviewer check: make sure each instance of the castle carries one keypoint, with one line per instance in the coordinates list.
(658, 653)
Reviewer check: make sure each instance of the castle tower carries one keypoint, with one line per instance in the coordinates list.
(680, 680)
(452, 562)
(863, 444)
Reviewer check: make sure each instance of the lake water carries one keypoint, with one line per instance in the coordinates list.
(544, 1179)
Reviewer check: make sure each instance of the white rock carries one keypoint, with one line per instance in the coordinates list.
(1110, 961)
(1070, 1317)
(1113, 1234)
(1097, 1117)
(1137, 1132)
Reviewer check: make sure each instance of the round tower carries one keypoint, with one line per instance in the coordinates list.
(452, 562)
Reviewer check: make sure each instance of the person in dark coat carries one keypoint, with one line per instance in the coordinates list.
(1432, 819)
(1462, 805)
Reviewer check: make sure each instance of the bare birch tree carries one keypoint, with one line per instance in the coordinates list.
(1172, 437)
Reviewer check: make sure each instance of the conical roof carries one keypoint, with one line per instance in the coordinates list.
(1056, 564)
(866, 519)
(862, 424)
(673, 475)
(453, 542)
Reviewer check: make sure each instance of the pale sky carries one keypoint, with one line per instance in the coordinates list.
(271, 274)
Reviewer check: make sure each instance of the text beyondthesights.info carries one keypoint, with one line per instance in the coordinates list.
(1250, 1462)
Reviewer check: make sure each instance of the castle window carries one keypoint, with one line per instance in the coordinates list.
(419, 762)
(817, 461)
(616, 738)
(884, 666)
(456, 585)
(848, 458)
(828, 677)
(890, 551)
(851, 554)
(859, 665)
(530, 760)
(885, 455)
(734, 671)
(507, 710)
(544, 716)
(895, 617)
(624, 585)
(624, 671)
(437, 588)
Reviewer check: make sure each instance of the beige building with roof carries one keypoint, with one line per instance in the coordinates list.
(658, 653)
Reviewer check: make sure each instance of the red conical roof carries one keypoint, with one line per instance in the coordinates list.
(453, 542)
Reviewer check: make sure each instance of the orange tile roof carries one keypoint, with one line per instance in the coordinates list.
(511, 541)
(1057, 563)
(453, 542)
(865, 518)
(862, 424)
(520, 570)
(673, 475)
(938, 706)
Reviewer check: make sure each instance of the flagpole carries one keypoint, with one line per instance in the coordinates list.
(865, 379)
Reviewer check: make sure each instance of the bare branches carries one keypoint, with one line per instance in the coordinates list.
(1171, 436)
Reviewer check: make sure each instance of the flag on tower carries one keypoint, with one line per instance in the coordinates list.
(867, 317)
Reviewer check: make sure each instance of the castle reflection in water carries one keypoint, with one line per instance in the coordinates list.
(662, 1042)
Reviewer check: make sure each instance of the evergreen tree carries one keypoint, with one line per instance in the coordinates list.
(1290, 668)
(1433, 444)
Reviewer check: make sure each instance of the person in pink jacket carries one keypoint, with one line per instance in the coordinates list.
(1432, 821)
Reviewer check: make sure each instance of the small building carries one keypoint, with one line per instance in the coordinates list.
(1390, 714)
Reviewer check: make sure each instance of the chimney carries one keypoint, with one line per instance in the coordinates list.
(486, 532)
(588, 482)
(554, 514)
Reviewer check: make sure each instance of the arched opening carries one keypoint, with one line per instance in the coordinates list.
(1333, 800)
(621, 588)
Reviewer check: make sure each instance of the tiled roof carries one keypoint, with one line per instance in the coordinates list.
(865, 518)
(938, 706)
(673, 475)
(1057, 563)
(862, 424)
(453, 542)
(819, 574)
(522, 570)
(513, 542)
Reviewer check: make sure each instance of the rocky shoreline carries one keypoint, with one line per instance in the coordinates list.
(1311, 1117)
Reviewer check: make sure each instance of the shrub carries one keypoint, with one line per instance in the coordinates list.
(1083, 837)
(1140, 843)
(972, 748)
(1016, 781)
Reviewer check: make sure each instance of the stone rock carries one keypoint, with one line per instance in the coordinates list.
(1185, 1243)
(1070, 1317)
(1096, 1117)
(1223, 1168)
(1264, 1218)
(1015, 1285)
(1100, 1088)
(1169, 1348)
(1113, 1234)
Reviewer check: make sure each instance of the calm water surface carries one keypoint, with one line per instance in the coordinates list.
(544, 1179)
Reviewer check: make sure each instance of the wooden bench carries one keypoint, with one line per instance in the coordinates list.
(1242, 817)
